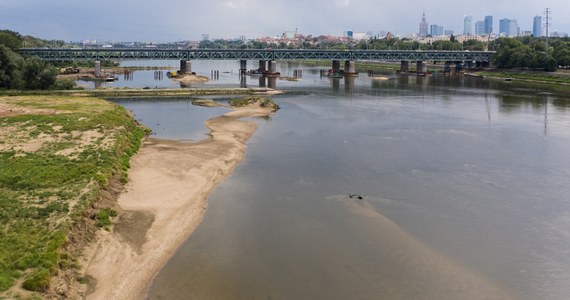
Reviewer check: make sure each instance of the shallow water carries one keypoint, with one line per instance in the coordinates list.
(465, 195)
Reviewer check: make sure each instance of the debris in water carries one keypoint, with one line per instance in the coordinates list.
(357, 196)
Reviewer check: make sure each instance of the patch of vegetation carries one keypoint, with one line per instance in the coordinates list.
(104, 217)
(528, 76)
(532, 53)
(43, 193)
(23, 72)
(245, 101)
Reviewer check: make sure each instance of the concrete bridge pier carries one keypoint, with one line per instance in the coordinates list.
(421, 67)
(272, 68)
(242, 66)
(335, 66)
(404, 66)
(447, 67)
(97, 68)
(185, 67)
(262, 66)
(350, 68)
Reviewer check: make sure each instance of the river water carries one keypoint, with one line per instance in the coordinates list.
(464, 185)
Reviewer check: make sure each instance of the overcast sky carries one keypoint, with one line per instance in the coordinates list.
(174, 20)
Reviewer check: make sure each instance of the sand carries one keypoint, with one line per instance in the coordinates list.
(167, 193)
(191, 78)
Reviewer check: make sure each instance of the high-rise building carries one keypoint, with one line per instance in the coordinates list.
(468, 25)
(205, 37)
(537, 26)
(448, 32)
(509, 27)
(423, 26)
(480, 27)
(435, 30)
(488, 24)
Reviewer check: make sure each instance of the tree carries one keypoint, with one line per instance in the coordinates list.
(38, 75)
(11, 40)
(546, 62)
(10, 64)
(473, 45)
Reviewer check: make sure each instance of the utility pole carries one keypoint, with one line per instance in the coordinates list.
(547, 24)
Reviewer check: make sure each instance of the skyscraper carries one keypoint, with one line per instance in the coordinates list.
(480, 27)
(488, 24)
(423, 26)
(436, 30)
(509, 27)
(537, 26)
(468, 25)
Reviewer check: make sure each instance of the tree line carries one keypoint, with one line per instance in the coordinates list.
(25, 73)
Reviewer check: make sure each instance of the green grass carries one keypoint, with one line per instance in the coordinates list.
(244, 101)
(42, 193)
(534, 76)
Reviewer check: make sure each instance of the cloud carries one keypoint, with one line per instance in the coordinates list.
(129, 20)
(342, 3)
(230, 4)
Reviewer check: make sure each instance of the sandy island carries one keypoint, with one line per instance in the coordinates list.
(167, 194)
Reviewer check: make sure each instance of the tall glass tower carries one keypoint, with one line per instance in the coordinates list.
(488, 24)
(468, 25)
(537, 26)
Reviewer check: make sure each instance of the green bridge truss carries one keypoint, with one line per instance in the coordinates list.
(254, 54)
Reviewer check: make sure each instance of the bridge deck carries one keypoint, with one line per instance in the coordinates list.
(253, 54)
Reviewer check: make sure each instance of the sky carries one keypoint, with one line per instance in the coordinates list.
(177, 20)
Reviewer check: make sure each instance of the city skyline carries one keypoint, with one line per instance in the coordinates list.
(142, 21)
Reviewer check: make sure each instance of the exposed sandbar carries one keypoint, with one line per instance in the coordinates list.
(167, 193)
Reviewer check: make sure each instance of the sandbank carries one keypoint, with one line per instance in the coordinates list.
(169, 182)
(191, 78)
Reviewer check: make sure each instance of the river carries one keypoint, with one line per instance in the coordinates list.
(463, 185)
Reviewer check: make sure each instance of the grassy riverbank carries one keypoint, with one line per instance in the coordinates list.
(560, 77)
(59, 157)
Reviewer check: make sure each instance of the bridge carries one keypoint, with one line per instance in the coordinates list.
(263, 55)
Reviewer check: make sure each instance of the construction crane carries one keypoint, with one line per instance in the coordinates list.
(489, 38)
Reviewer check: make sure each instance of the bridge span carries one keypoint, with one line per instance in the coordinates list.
(263, 55)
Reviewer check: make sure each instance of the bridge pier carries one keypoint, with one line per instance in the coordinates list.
(272, 68)
(447, 68)
(185, 67)
(262, 66)
(242, 66)
(350, 68)
(97, 68)
(404, 66)
(335, 66)
(421, 67)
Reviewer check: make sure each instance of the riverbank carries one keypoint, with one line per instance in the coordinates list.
(61, 158)
(561, 77)
(164, 202)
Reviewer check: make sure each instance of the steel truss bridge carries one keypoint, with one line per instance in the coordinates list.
(254, 54)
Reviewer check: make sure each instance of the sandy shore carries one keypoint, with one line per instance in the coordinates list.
(167, 194)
